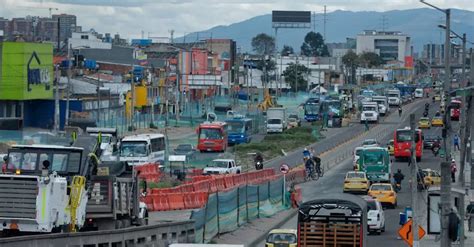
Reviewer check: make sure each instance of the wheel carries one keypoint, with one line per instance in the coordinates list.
(418, 159)
(383, 228)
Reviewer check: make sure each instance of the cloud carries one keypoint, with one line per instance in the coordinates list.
(157, 17)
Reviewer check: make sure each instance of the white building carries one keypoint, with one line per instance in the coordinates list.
(389, 45)
(87, 40)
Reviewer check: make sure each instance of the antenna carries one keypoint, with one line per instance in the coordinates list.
(384, 22)
(171, 36)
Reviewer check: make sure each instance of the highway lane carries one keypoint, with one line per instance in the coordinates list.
(333, 180)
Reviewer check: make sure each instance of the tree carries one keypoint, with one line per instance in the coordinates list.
(351, 62)
(263, 44)
(287, 50)
(313, 45)
(295, 76)
(370, 59)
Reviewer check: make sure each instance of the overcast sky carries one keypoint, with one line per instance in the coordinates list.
(157, 17)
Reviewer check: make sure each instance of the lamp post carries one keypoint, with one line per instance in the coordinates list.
(445, 185)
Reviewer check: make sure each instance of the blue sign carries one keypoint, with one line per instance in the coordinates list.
(37, 76)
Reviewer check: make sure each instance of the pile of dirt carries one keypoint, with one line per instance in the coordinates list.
(4, 147)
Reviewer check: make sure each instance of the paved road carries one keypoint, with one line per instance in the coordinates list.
(333, 180)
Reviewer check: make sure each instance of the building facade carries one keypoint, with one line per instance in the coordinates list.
(67, 25)
(390, 46)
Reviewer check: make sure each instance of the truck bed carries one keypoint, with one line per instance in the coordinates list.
(327, 234)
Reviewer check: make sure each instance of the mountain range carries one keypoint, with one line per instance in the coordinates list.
(420, 24)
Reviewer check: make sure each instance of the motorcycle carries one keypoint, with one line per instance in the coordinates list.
(435, 151)
(258, 165)
(425, 114)
(397, 187)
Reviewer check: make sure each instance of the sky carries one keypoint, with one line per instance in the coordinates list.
(155, 18)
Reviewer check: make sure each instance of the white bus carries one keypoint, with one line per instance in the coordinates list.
(143, 149)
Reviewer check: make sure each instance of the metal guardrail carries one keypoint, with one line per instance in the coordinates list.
(161, 234)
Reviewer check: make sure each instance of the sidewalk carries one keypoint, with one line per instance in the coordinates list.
(430, 240)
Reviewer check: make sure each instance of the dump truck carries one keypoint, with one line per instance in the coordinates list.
(333, 220)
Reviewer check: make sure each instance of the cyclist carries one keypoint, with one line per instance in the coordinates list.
(306, 153)
(317, 164)
(309, 166)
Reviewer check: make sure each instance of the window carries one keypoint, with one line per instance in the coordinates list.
(371, 205)
(59, 162)
(235, 127)
(373, 158)
(29, 161)
(157, 144)
(405, 136)
(210, 134)
(355, 175)
(274, 121)
(133, 149)
(74, 163)
(281, 238)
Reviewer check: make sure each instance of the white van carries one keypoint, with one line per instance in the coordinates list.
(419, 93)
(143, 149)
(382, 101)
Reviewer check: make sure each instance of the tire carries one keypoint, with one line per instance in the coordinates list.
(383, 228)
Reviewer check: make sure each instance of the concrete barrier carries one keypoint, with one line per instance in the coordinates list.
(161, 234)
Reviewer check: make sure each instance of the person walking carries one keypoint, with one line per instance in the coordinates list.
(454, 169)
(456, 142)
(366, 123)
(400, 111)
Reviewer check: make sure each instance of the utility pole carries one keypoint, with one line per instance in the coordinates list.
(469, 123)
(57, 76)
(445, 166)
(462, 160)
(324, 28)
(414, 177)
(68, 91)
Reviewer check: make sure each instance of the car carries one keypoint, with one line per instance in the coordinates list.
(356, 182)
(429, 140)
(375, 215)
(424, 123)
(294, 121)
(390, 147)
(370, 143)
(356, 154)
(282, 237)
(185, 149)
(384, 193)
(437, 121)
(437, 97)
(431, 177)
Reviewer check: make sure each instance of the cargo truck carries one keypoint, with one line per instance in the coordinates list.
(276, 120)
(333, 220)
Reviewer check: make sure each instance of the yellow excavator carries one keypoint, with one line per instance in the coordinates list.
(268, 101)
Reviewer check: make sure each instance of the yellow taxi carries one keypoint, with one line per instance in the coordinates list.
(384, 193)
(282, 237)
(424, 123)
(431, 177)
(356, 181)
(437, 121)
(437, 97)
(390, 148)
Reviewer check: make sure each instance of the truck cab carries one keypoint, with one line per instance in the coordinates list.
(276, 120)
(394, 97)
(222, 166)
(370, 112)
(382, 101)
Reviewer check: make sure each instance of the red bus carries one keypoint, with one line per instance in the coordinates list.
(402, 143)
(455, 107)
(212, 137)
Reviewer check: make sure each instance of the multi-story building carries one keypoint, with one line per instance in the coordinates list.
(391, 46)
(87, 40)
(22, 27)
(67, 25)
(46, 30)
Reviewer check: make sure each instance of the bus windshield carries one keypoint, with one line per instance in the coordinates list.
(372, 158)
(311, 109)
(455, 105)
(235, 127)
(406, 136)
(210, 134)
(133, 149)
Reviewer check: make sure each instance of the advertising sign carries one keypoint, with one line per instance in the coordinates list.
(26, 71)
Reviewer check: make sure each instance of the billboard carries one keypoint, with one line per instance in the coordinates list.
(26, 71)
(291, 16)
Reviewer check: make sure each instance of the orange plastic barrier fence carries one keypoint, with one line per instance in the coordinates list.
(176, 201)
(148, 200)
(220, 182)
(160, 202)
(229, 181)
(201, 186)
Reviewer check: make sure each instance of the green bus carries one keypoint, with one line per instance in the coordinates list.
(375, 162)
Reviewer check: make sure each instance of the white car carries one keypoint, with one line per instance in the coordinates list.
(375, 216)
(370, 143)
(222, 166)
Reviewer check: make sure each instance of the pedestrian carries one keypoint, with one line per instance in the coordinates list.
(456, 142)
(366, 125)
(454, 169)
(400, 111)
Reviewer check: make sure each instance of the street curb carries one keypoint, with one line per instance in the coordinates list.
(275, 226)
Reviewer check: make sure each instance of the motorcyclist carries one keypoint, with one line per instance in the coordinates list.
(438, 114)
(436, 146)
(306, 153)
(398, 177)
(258, 161)
(427, 106)
(425, 113)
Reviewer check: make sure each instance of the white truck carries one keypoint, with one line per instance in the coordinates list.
(222, 166)
(419, 93)
(370, 112)
(394, 97)
(382, 101)
(276, 120)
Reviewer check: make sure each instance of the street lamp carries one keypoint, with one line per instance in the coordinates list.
(445, 183)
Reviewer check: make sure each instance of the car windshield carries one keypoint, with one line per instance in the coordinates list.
(133, 149)
(274, 121)
(392, 95)
(210, 134)
(424, 119)
(281, 238)
(184, 147)
(383, 187)
(235, 127)
(369, 142)
(369, 108)
(220, 164)
(358, 152)
(371, 205)
(355, 175)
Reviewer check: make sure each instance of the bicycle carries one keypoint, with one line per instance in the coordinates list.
(320, 171)
(311, 175)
